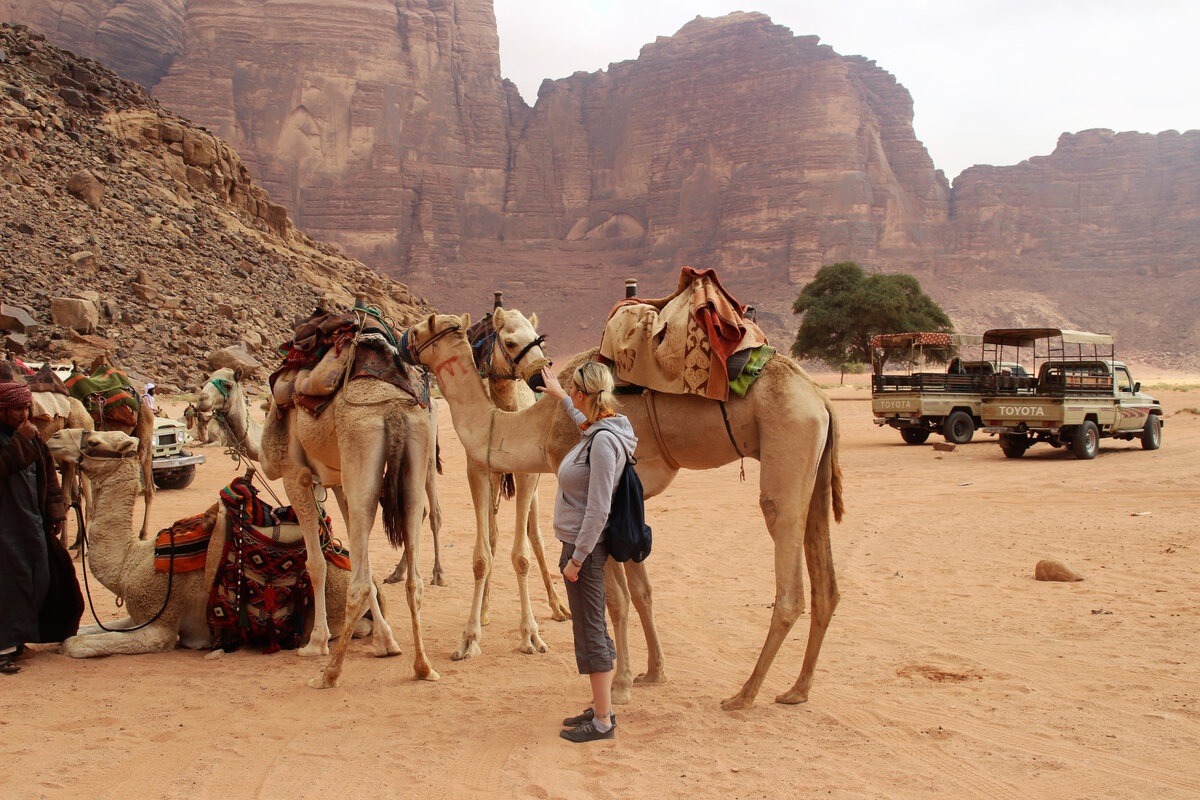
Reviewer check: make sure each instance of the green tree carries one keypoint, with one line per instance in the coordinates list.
(844, 307)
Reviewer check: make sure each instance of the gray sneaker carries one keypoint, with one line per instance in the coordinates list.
(587, 733)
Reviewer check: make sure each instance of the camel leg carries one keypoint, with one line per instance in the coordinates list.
(481, 562)
(159, 637)
(531, 642)
(376, 610)
(785, 486)
(558, 609)
(298, 485)
(414, 588)
(639, 592)
(435, 524)
(485, 617)
(616, 597)
(818, 553)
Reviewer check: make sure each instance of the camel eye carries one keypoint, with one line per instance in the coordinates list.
(511, 344)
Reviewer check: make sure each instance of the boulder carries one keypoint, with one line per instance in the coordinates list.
(235, 357)
(1052, 569)
(83, 184)
(15, 318)
(79, 315)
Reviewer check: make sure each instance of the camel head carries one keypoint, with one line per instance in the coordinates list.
(217, 393)
(518, 343)
(72, 445)
(416, 343)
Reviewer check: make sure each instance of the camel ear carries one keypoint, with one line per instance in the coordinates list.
(465, 320)
(237, 374)
(498, 317)
(432, 321)
(533, 320)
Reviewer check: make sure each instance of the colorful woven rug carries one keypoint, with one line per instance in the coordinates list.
(187, 540)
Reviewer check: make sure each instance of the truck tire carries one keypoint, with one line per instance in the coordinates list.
(958, 427)
(914, 435)
(1014, 445)
(1152, 433)
(1085, 443)
(176, 478)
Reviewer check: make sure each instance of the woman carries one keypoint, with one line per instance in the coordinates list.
(587, 477)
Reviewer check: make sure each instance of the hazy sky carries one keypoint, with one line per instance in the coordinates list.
(992, 81)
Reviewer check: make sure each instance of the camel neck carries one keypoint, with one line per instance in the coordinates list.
(243, 428)
(115, 487)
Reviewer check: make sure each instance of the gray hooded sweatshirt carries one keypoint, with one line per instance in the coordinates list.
(585, 486)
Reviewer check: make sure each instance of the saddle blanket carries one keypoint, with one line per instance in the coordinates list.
(182, 547)
(107, 394)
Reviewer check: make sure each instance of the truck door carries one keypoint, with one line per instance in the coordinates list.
(1132, 413)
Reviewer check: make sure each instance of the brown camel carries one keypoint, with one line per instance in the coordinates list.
(786, 422)
(124, 564)
(371, 439)
(224, 401)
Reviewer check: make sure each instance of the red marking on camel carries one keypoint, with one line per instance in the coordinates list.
(450, 365)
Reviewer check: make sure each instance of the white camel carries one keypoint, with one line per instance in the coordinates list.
(223, 398)
(124, 563)
(785, 421)
(372, 439)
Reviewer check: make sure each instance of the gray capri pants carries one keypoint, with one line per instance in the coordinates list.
(594, 649)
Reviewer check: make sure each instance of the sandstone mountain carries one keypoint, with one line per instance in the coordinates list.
(152, 226)
(385, 125)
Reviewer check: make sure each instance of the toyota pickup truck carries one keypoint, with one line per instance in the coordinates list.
(918, 401)
(174, 467)
(1080, 395)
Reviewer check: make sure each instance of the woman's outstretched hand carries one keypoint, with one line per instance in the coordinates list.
(552, 386)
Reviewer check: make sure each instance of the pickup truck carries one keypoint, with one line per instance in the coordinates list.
(917, 401)
(174, 467)
(1080, 395)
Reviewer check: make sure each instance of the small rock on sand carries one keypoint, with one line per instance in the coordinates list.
(1051, 569)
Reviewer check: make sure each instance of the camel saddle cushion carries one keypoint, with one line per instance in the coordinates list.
(325, 347)
(183, 547)
(107, 395)
(681, 344)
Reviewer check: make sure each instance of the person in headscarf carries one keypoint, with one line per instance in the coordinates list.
(39, 600)
(148, 397)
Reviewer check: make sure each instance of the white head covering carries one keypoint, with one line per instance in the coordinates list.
(149, 386)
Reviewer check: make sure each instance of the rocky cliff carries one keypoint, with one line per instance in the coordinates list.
(385, 126)
(151, 226)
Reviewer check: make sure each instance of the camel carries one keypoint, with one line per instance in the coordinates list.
(223, 400)
(500, 371)
(203, 427)
(785, 422)
(371, 439)
(124, 563)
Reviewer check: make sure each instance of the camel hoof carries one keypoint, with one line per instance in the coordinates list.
(323, 682)
(653, 676)
(430, 674)
(621, 695)
(438, 580)
(311, 650)
(559, 613)
(736, 703)
(466, 650)
(386, 649)
(792, 697)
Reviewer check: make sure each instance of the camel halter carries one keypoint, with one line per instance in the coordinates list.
(411, 351)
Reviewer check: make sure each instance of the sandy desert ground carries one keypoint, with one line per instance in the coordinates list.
(948, 672)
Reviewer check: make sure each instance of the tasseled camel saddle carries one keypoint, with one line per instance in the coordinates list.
(697, 341)
(329, 349)
(107, 394)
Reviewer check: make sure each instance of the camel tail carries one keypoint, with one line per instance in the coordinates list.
(835, 478)
(437, 454)
(508, 486)
(392, 500)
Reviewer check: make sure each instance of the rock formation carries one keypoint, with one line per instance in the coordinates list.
(385, 125)
(154, 222)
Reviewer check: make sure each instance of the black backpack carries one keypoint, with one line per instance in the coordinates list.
(627, 536)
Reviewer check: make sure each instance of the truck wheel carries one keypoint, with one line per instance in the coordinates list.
(1152, 433)
(1086, 441)
(1014, 445)
(914, 435)
(177, 478)
(958, 428)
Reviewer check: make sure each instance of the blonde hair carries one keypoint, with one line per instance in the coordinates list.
(595, 380)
